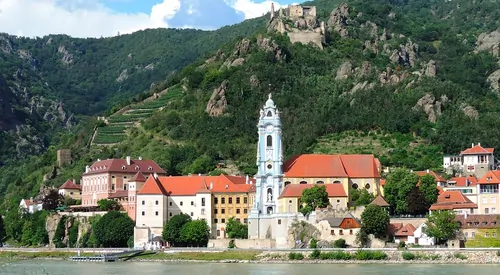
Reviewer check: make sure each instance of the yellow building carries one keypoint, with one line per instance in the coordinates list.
(290, 198)
(71, 189)
(488, 199)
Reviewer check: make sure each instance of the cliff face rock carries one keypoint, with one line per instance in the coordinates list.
(489, 42)
(338, 20)
(469, 111)
(5, 44)
(66, 58)
(431, 106)
(494, 80)
(406, 55)
(390, 77)
(254, 81)
(268, 45)
(218, 102)
(431, 69)
(344, 71)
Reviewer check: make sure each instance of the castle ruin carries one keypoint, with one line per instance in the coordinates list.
(63, 157)
(299, 23)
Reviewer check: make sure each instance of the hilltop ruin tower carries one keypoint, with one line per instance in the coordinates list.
(299, 23)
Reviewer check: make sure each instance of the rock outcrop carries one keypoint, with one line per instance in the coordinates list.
(268, 45)
(431, 106)
(66, 58)
(431, 69)
(406, 55)
(338, 20)
(494, 80)
(218, 102)
(489, 42)
(344, 71)
(390, 77)
(469, 111)
(254, 81)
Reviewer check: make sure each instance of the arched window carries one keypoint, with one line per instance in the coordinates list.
(367, 186)
(354, 186)
(269, 113)
(336, 182)
(287, 183)
(269, 142)
(320, 182)
(303, 182)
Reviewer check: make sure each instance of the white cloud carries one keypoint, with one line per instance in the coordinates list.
(252, 9)
(79, 18)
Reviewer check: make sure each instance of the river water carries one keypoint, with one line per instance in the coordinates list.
(54, 267)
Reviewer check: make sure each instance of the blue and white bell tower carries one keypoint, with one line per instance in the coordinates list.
(269, 178)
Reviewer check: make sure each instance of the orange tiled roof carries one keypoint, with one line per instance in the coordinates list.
(71, 185)
(121, 166)
(382, 182)
(192, 185)
(406, 230)
(477, 150)
(295, 190)
(437, 177)
(491, 177)
(462, 181)
(394, 227)
(331, 166)
(138, 177)
(452, 199)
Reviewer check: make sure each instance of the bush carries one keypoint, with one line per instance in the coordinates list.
(340, 243)
(231, 244)
(295, 256)
(313, 243)
(337, 255)
(460, 256)
(130, 242)
(498, 253)
(401, 245)
(408, 256)
(315, 254)
(364, 255)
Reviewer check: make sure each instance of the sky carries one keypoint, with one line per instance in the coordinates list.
(96, 18)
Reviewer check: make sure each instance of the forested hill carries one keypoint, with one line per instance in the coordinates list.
(406, 80)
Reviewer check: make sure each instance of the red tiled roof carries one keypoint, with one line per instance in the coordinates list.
(382, 182)
(462, 181)
(191, 185)
(450, 200)
(380, 201)
(478, 221)
(295, 190)
(331, 166)
(440, 189)
(119, 194)
(491, 177)
(121, 166)
(394, 227)
(437, 177)
(477, 150)
(138, 177)
(406, 230)
(71, 185)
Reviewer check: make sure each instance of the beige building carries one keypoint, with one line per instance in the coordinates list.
(454, 201)
(475, 161)
(472, 226)
(290, 198)
(488, 199)
(71, 189)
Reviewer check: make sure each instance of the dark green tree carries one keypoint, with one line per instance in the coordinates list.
(416, 202)
(397, 187)
(429, 189)
(172, 229)
(314, 197)
(195, 233)
(114, 229)
(108, 205)
(52, 200)
(374, 220)
(441, 225)
(2, 231)
(13, 223)
(362, 197)
(235, 229)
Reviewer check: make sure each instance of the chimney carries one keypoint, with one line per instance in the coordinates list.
(211, 185)
(155, 175)
(87, 169)
(128, 160)
(427, 171)
(140, 158)
(479, 144)
(246, 180)
(74, 181)
(472, 145)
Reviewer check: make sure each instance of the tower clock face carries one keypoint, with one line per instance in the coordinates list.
(269, 128)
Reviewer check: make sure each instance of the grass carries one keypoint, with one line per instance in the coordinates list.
(37, 255)
(103, 138)
(203, 256)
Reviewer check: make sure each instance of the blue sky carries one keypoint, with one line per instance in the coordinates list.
(95, 18)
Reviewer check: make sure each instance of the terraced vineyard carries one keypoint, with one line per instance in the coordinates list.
(117, 124)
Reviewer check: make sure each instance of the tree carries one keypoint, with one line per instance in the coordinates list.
(114, 229)
(172, 229)
(235, 229)
(429, 189)
(314, 197)
(397, 187)
(195, 233)
(108, 205)
(441, 225)
(52, 200)
(362, 197)
(2, 231)
(374, 220)
(416, 202)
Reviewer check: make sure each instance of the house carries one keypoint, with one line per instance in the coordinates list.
(334, 228)
(350, 171)
(30, 205)
(420, 238)
(476, 161)
(455, 201)
(466, 185)
(439, 179)
(71, 189)
(404, 232)
(488, 199)
(479, 226)
(213, 198)
(109, 179)
(290, 198)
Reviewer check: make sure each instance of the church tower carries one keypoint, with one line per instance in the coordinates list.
(269, 178)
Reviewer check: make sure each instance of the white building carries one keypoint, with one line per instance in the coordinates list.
(472, 161)
(31, 206)
(420, 238)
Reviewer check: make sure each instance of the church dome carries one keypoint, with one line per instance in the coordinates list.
(270, 103)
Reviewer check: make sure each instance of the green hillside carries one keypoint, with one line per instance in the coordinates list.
(405, 80)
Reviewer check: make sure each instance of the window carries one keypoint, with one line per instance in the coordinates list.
(486, 234)
(354, 186)
(287, 183)
(71, 193)
(367, 186)
(192, 202)
(245, 200)
(466, 234)
(223, 211)
(223, 200)
(341, 232)
(113, 187)
(216, 200)
(125, 186)
(156, 213)
(218, 233)
(216, 221)
(156, 202)
(203, 211)
(143, 213)
(223, 220)
(237, 200)
(216, 211)
(473, 234)
(350, 232)
(303, 182)
(245, 220)
(230, 200)
(245, 211)
(493, 234)
(170, 203)
(192, 214)
(493, 200)
(202, 201)
(320, 182)
(170, 214)
(269, 113)
(332, 232)
(143, 202)
(493, 210)
(181, 203)
(237, 211)
(269, 141)
(486, 211)
(279, 221)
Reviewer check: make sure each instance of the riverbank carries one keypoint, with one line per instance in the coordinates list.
(332, 257)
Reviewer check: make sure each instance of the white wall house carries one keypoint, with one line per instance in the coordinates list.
(420, 238)
(476, 160)
(31, 206)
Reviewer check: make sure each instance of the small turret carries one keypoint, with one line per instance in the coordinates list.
(272, 11)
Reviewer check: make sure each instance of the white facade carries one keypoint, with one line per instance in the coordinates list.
(151, 210)
(30, 206)
(472, 161)
(420, 238)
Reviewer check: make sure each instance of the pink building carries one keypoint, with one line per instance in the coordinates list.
(109, 179)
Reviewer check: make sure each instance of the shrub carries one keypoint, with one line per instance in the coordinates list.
(231, 244)
(401, 245)
(313, 243)
(340, 243)
(295, 256)
(315, 254)
(364, 255)
(408, 256)
(498, 253)
(460, 256)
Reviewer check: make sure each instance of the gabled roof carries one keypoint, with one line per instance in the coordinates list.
(491, 177)
(153, 187)
(70, 185)
(337, 222)
(331, 166)
(121, 166)
(407, 230)
(477, 150)
(394, 227)
(380, 201)
(463, 181)
(436, 177)
(295, 190)
(452, 199)
(138, 177)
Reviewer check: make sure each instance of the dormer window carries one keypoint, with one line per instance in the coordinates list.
(269, 113)
(489, 178)
(150, 168)
(136, 167)
(123, 167)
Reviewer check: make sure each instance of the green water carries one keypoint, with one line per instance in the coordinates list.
(136, 268)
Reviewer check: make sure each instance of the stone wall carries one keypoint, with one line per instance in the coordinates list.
(243, 244)
(306, 37)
